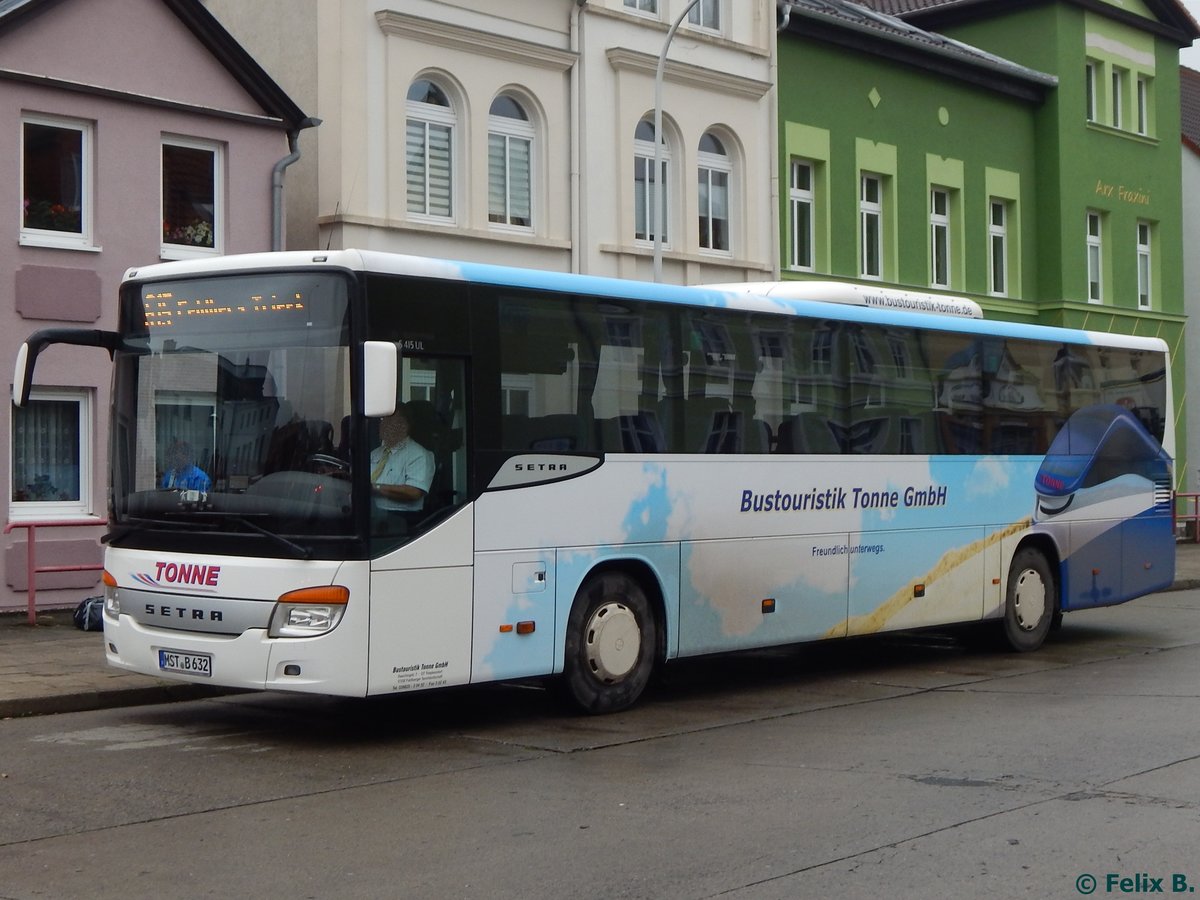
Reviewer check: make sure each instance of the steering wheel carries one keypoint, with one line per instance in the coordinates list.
(328, 464)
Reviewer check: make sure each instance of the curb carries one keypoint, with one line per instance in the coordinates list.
(87, 701)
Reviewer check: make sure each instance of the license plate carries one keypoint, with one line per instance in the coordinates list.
(185, 663)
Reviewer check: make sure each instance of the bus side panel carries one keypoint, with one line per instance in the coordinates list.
(511, 589)
(421, 611)
(725, 584)
(420, 629)
(1149, 547)
(946, 585)
(1115, 560)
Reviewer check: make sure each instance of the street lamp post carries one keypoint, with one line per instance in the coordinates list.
(659, 195)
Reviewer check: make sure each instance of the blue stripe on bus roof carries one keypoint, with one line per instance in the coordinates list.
(594, 285)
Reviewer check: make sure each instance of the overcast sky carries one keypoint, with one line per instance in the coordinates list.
(1190, 56)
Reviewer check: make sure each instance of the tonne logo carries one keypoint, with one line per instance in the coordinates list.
(169, 574)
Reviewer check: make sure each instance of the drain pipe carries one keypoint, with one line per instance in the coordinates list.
(785, 14)
(277, 181)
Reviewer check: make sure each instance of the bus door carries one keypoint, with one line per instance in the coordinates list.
(422, 535)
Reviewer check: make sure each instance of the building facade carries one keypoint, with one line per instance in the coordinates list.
(523, 135)
(1022, 155)
(1189, 97)
(119, 149)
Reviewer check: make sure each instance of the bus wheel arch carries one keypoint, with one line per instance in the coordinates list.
(1032, 601)
(614, 637)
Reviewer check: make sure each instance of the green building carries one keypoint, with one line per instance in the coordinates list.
(1022, 154)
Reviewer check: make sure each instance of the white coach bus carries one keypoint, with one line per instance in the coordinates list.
(616, 474)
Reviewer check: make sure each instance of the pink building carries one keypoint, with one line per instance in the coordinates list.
(131, 131)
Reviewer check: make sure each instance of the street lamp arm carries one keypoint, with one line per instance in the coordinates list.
(657, 197)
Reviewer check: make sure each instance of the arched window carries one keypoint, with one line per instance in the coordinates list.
(713, 170)
(429, 151)
(646, 186)
(510, 164)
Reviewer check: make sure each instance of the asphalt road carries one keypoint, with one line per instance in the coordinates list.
(914, 766)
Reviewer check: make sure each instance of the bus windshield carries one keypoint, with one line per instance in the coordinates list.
(231, 410)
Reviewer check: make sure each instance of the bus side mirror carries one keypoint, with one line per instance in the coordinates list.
(40, 340)
(380, 367)
(22, 377)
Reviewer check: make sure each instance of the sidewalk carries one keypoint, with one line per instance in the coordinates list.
(53, 667)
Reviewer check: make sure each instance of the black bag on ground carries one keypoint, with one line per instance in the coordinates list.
(89, 614)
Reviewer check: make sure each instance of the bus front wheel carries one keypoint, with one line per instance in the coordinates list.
(611, 641)
(1031, 601)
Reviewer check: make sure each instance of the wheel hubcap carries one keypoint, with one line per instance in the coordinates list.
(1029, 600)
(613, 641)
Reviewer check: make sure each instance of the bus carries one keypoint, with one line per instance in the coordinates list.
(616, 475)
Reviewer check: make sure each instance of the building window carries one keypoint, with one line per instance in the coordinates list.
(1145, 265)
(822, 351)
(51, 462)
(713, 193)
(56, 183)
(1143, 105)
(870, 216)
(191, 198)
(939, 237)
(429, 152)
(1118, 94)
(998, 248)
(647, 6)
(900, 356)
(1090, 73)
(646, 186)
(510, 159)
(706, 14)
(803, 202)
(1095, 256)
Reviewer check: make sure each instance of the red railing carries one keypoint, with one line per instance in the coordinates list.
(1187, 519)
(32, 569)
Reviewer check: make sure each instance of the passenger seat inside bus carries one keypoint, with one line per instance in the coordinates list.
(428, 429)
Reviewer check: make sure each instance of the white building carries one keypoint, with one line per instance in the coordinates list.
(520, 131)
(1189, 93)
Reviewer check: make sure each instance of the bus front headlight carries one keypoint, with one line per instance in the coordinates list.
(112, 595)
(309, 612)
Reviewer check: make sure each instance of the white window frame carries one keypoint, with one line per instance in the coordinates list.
(60, 509)
(168, 250)
(1095, 256)
(510, 130)
(1091, 80)
(939, 238)
(706, 16)
(870, 211)
(646, 7)
(803, 204)
(431, 115)
(1117, 100)
(1143, 105)
(512, 386)
(64, 240)
(708, 164)
(998, 237)
(643, 153)
(1145, 264)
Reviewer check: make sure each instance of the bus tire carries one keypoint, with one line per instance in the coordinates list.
(612, 637)
(1031, 601)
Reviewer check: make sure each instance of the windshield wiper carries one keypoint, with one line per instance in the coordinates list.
(298, 550)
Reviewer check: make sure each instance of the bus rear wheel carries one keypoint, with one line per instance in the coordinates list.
(1031, 601)
(612, 638)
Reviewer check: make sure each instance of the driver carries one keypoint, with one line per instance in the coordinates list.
(401, 469)
(182, 473)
